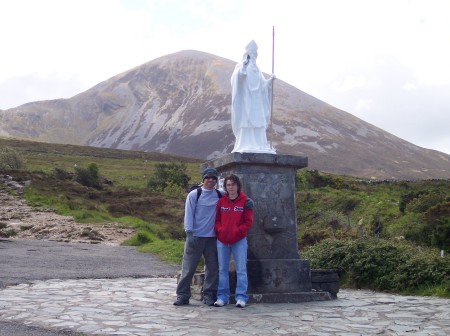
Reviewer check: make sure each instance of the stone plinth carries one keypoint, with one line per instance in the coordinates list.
(325, 280)
(269, 180)
(276, 272)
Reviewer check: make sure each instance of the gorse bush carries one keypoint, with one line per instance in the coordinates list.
(424, 201)
(168, 175)
(10, 159)
(174, 190)
(438, 221)
(89, 177)
(61, 174)
(381, 264)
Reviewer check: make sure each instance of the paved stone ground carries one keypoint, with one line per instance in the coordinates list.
(129, 306)
(54, 289)
(25, 261)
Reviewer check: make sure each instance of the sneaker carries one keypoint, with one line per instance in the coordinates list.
(219, 303)
(208, 301)
(240, 304)
(181, 302)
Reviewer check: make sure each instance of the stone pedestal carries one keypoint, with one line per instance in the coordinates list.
(276, 272)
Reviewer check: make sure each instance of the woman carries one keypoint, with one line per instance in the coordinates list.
(234, 217)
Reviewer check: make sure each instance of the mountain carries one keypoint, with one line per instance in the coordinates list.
(180, 104)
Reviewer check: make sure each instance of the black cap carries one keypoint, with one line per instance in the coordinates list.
(210, 172)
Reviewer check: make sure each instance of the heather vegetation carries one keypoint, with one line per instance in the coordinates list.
(342, 207)
(10, 159)
(384, 235)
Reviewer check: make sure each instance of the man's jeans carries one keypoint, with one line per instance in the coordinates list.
(205, 246)
(239, 251)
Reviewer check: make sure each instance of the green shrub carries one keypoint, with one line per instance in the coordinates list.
(423, 267)
(142, 236)
(381, 264)
(169, 174)
(61, 174)
(406, 198)
(347, 204)
(438, 221)
(10, 159)
(89, 176)
(311, 237)
(315, 179)
(425, 201)
(174, 190)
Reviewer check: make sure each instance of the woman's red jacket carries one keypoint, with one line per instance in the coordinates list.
(233, 218)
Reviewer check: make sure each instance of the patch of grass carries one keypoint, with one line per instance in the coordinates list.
(130, 221)
(442, 290)
(83, 216)
(141, 237)
(169, 250)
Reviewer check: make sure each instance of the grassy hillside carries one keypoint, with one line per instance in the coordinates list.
(345, 223)
(330, 206)
(125, 168)
(384, 235)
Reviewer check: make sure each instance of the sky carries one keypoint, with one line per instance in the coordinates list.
(386, 62)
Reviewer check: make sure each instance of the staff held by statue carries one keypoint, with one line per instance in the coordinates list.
(273, 74)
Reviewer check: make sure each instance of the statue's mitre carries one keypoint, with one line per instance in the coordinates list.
(251, 46)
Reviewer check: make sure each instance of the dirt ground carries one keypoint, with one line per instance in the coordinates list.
(19, 220)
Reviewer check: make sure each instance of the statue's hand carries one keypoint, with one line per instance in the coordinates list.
(247, 60)
(273, 77)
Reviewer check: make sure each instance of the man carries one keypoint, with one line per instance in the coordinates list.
(251, 104)
(199, 219)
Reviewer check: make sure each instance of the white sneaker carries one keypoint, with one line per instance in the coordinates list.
(240, 304)
(219, 303)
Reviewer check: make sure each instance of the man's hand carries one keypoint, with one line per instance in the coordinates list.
(190, 239)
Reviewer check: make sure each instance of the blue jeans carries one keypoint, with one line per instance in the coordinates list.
(239, 251)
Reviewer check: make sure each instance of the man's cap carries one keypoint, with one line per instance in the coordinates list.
(210, 172)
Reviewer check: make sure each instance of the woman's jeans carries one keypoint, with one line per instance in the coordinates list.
(239, 251)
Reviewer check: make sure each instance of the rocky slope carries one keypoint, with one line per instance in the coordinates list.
(19, 220)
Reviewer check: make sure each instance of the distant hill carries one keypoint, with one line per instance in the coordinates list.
(28, 146)
(180, 104)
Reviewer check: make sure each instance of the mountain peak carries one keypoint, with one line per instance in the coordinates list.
(180, 104)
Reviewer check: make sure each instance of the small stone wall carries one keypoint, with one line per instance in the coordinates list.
(323, 280)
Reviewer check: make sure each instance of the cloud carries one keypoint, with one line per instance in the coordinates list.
(33, 87)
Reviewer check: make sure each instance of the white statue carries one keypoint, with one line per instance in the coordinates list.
(251, 104)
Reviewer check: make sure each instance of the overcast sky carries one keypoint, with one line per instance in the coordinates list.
(384, 61)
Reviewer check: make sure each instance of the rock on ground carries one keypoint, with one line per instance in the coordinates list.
(19, 220)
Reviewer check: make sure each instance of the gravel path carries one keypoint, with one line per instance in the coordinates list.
(22, 261)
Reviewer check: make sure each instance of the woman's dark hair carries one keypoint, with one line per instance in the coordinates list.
(235, 179)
